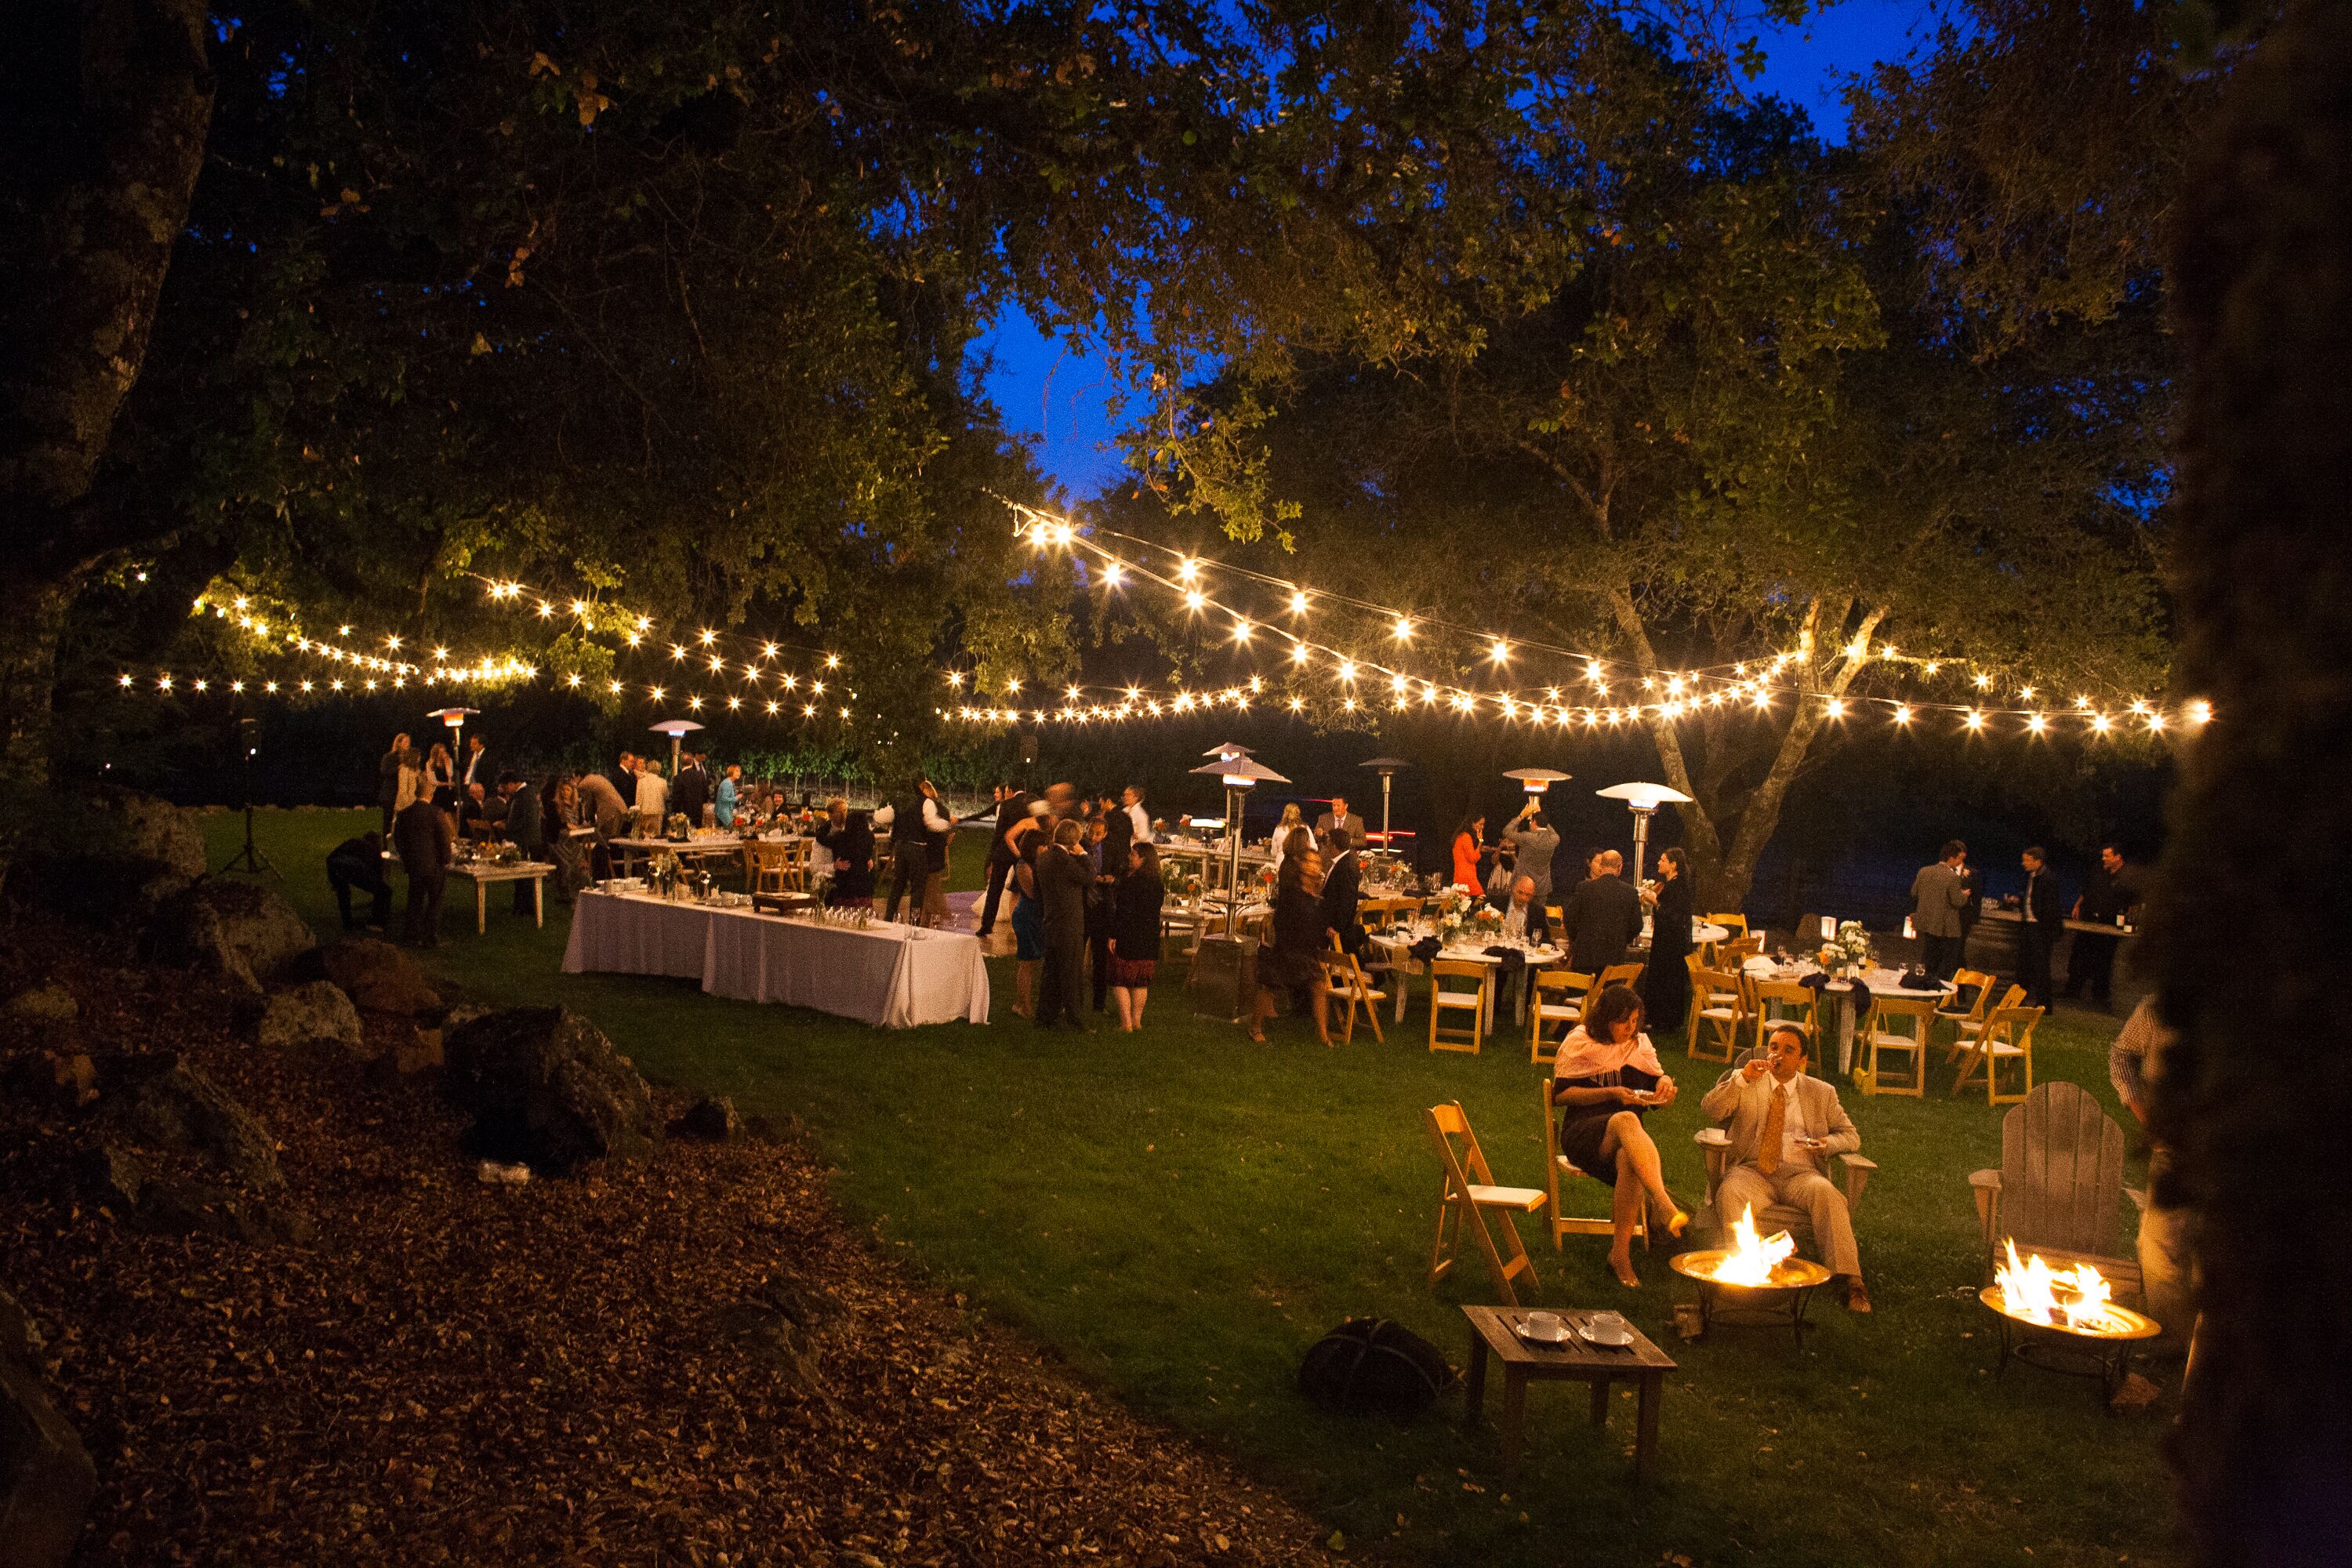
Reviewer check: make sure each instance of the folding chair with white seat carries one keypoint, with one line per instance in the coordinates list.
(2007, 1036)
(1967, 1026)
(1558, 998)
(1779, 1000)
(1343, 981)
(1470, 1191)
(1445, 1035)
(1718, 1015)
(1617, 975)
(1898, 1027)
(1557, 1165)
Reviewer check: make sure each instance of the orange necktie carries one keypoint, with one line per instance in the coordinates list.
(1776, 1130)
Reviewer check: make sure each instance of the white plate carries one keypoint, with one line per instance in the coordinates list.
(1560, 1337)
(1605, 1328)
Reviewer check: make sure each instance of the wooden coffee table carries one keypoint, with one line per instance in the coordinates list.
(1494, 1331)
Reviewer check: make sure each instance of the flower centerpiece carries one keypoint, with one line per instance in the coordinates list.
(1177, 882)
(1463, 916)
(675, 828)
(1848, 951)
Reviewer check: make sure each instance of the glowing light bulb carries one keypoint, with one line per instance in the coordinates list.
(1592, 670)
(2035, 723)
(1404, 628)
(1346, 669)
(1837, 708)
(1195, 599)
(1500, 652)
(1298, 654)
(1187, 569)
(2200, 711)
(1114, 574)
(1974, 719)
(1241, 631)
(1298, 600)
(1902, 713)
(833, 661)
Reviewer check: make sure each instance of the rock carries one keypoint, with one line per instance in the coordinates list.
(378, 977)
(47, 1481)
(49, 1004)
(546, 1088)
(109, 854)
(2135, 1395)
(18, 1335)
(180, 1108)
(413, 1050)
(713, 1120)
(242, 931)
(318, 1013)
(67, 1080)
(115, 1179)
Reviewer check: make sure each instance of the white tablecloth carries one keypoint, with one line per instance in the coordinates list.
(890, 975)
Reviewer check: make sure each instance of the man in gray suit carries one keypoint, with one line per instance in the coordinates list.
(1338, 816)
(1938, 893)
(1785, 1126)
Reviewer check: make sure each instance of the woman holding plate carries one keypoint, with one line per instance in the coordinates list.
(1608, 1076)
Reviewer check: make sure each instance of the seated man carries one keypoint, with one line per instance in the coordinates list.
(359, 863)
(480, 814)
(1784, 1127)
(1523, 918)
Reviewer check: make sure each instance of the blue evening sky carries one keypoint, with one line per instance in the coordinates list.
(1057, 393)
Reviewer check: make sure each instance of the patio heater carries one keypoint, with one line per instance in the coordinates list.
(1387, 767)
(1534, 780)
(677, 730)
(1641, 799)
(1224, 973)
(456, 718)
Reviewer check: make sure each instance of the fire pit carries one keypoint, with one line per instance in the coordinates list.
(2062, 1320)
(1754, 1281)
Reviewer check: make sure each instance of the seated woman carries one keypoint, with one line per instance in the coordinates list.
(1609, 1077)
(1292, 959)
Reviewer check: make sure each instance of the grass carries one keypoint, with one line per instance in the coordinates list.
(1180, 1213)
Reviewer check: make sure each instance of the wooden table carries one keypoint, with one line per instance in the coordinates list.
(1494, 1330)
(482, 873)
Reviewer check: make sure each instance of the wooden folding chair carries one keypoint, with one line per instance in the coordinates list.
(1718, 1015)
(1902, 1026)
(767, 864)
(1730, 954)
(1735, 923)
(1567, 991)
(1470, 1190)
(1976, 1008)
(2007, 1036)
(1796, 1004)
(1557, 1165)
(800, 861)
(1966, 1030)
(1617, 975)
(1343, 981)
(1446, 1037)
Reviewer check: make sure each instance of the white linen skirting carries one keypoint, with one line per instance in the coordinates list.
(889, 975)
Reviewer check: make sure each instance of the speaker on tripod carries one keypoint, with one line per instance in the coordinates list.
(250, 857)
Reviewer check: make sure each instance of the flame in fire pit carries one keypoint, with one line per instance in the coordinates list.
(1753, 1258)
(2075, 1300)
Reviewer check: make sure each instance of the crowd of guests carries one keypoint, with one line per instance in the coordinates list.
(1948, 901)
(1083, 876)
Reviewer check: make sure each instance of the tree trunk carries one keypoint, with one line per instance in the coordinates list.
(2246, 940)
(1724, 876)
(114, 112)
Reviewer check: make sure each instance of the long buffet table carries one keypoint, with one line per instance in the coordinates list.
(893, 976)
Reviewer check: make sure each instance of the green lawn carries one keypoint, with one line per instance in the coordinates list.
(1180, 1213)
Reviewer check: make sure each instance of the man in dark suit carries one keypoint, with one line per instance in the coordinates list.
(358, 864)
(1117, 841)
(421, 837)
(1602, 917)
(1343, 881)
(2038, 927)
(2110, 892)
(481, 814)
(526, 830)
(691, 789)
(1523, 915)
(477, 765)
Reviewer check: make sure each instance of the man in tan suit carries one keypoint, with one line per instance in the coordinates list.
(1784, 1127)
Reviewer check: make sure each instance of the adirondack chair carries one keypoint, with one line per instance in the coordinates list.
(2060, 1187)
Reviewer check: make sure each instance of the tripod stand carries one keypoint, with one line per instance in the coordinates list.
(250, 857)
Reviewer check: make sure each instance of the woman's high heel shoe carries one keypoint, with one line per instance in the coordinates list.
(1679, 1224)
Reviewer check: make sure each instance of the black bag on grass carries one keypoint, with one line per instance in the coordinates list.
(1370, 1364)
